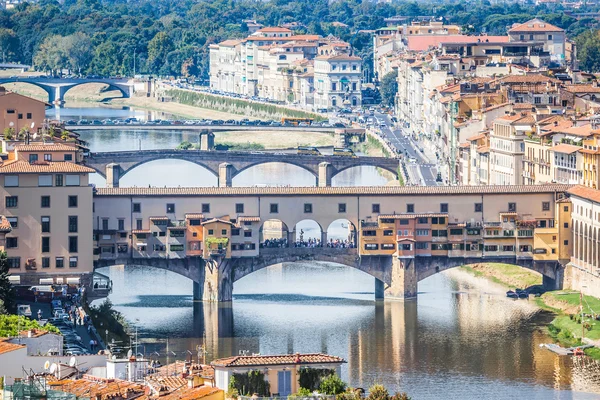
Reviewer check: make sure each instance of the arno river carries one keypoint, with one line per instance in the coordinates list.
(462, 339)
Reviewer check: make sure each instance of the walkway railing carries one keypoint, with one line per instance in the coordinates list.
(290, 397)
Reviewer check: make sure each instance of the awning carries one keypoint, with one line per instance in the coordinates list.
(44, 288)
(14, 279)
(46, 281)
(141, 244)
(73, 281)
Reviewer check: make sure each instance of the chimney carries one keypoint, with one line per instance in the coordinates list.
(555, 123)
(2, 90)
(30, 333)
(297, 358)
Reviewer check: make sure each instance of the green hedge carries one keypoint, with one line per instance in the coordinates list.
(237, 106)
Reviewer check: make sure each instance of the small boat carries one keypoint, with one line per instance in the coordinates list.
(523, 295)
(512, 295)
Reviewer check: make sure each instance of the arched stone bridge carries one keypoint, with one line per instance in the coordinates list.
(394, 278)
(57, 87)
(225, 165)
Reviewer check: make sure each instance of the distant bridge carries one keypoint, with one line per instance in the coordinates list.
(225, 165)
(57, 87)
(212, 128)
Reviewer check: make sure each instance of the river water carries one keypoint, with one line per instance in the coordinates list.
(462, 338)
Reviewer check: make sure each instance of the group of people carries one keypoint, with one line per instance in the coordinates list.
(336, 244)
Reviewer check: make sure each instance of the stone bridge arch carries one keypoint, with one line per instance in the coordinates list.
(238, 168)
(394, 171)
(125, 90)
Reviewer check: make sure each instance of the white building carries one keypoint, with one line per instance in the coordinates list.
(337, 81)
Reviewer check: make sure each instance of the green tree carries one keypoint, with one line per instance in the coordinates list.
(9, 44)
(588, 51)
(158, 48)
(6, 289)
(378, 392)
(388, 89)
(79, 50)
(51, 55)
(332, 385)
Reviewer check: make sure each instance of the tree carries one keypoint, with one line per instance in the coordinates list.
(388, 89)
(79, 50)
(378, 392)
(6, 289)
(9, 44)
(588, 51)
(158, 48)
(332, 385)
(51, 55)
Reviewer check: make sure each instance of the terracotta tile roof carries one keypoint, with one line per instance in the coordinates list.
(43, 167)
(248, 219)
(48, 147)
(533, 78)
(210, 221)
(535, 25)
(483, 149)
(5, 226)
(588, 88)
(330, 191)
(191, 394)
(585, 192)
(412, 215)
(425, 42)
(85, 388)
(34, 333)
(590, 151)
(464, 145)
(336, 57)
(170, 382)
(230, 43)
(274, 29)
(476, 137)
(522, 106)
(6, 347)
(282, 359)
(565, 148)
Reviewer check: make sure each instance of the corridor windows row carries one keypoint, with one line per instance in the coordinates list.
(59, 262)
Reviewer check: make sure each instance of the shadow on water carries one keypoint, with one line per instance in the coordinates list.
(302, 298)
(165, 301)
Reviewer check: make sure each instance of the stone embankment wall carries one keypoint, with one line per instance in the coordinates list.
(581, 280)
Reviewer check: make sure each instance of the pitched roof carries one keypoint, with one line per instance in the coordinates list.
(230, 43)
(535, 25)
(565, 148)
(532, 78)
(585, 192)
(331, 191)
(48, 147)
(340, 57)
(586, 88)
(43, 167)
(274, 29)
(210, 221)
(6, 347)
(194, 216)
(191, 394)
(248, 219)
(282, 359)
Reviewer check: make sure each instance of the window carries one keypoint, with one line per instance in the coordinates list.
(73, 223)
(45, 262)
(405, 246)
(72, 180)
(403, 222)
(541, 223)
(512, 207)
(439, 233)
(375, 208)
(72, 244)
(239, 208)
(73, 201)
(72, 262)
(235, 232)
(369, 233)
(170, 208)
(223, 232)
(342, 207)
(45, 244)
(333, 86)
(138, 224)
(11, 181)
(308, 208)
(549, 37)
(545, 206)
(247, 233)
(58, 180)
(443, 208)
(422, 232)
(45, 202)
(176, 247)
(176, 233)
(33, 158)
(422, 220)
(388, 232)
(478, 207)
(194, 222)
(274, 208)
(566, 209)
(566, 224)
(68, 157)
(12, 242)
(211, 232)
(473, 231)
(205, 208)
(566, 242)
(371, 246)
(410, 208)
(137, 207)
(48, 157)
(421, 245)
(353, 67)
(354, 86)
(121, 224)
(491, 247)
(45, 224)
(508, 248)
(12, 201)
(28, 115)
(388, 246)
(456, 232)
(14, 222)
(20, 116)
(14, 262)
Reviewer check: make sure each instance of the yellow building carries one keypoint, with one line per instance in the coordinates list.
(591, 161)
(217, 237)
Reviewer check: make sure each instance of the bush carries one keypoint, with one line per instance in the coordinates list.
(332, 384)
(249, 384)
(311, 378)
(400, 396)
(378, 392)
(185, 145)
(10, 325)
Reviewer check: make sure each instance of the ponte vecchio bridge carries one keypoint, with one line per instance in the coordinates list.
(399, 235)
(225, 165)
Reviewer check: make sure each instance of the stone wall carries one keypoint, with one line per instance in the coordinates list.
(578, 279)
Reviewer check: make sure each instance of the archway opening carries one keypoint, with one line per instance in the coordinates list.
(274, 174)
(308, 233)
(274, 233)
(27, 89)
(363, 175)
(341, 233)
(163, 173)
(93, 91)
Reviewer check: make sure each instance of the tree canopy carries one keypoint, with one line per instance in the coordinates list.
(6, 289)
(388, 89)
(172, 37)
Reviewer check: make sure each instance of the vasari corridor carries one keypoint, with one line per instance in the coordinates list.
(299, 200)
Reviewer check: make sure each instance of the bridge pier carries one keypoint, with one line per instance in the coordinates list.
(379, 289)
(402, 279)
(113, 174)
(225, 175)
(207, 140)
(197, 291)
(325, 174)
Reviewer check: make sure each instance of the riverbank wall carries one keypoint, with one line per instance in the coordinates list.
(581, 280)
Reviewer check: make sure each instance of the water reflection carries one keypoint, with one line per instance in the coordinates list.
(458, 340)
